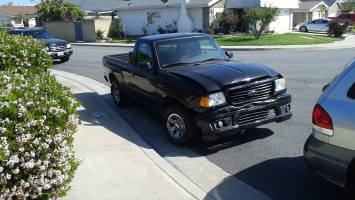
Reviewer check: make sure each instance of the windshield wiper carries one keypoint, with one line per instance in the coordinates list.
(177, 64)
(211, 59)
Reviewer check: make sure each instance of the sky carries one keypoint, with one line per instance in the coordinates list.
(19, 2)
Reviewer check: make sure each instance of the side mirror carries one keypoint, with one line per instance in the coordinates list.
(229, 54)
(145, 65)
(325, 87)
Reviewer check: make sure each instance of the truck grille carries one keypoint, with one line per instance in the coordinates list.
(247, 118)
(61, 48)
(256, 92)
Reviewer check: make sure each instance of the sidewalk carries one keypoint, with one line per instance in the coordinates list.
(116, 162)
(348, 42)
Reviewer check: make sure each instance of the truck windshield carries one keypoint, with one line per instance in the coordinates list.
(188, 51)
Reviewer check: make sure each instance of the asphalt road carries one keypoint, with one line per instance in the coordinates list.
(268, 158)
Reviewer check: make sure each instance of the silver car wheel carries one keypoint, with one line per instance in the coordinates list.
(116, 92)
(176, 126)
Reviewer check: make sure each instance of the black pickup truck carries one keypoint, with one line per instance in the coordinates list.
(56, 48)
(199, 90)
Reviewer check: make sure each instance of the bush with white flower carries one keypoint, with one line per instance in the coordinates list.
(37, 121)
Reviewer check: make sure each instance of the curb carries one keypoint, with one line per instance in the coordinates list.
(176, 176)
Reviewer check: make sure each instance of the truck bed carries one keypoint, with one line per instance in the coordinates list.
(124, 57)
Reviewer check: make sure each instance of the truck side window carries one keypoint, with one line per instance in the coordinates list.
(351, 92)
(144, 53)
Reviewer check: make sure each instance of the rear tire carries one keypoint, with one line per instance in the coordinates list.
(180, 127)
(120, 99)
(303, 29)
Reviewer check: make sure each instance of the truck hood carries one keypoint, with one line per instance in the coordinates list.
(55, 41)
(218, 75)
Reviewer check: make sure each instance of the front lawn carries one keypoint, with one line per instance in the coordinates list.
(280, 39)
(129, 39)
(249, 40)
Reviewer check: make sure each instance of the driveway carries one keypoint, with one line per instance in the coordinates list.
(268, 159)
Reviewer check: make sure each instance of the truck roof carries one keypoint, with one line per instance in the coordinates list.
(153, 38)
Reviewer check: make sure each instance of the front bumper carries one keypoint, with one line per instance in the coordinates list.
(230, 116)
(60, 54)
(329, 161)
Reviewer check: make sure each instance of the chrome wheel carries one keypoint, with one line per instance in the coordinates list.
(176, 126)
(116, 92)
(303, 29)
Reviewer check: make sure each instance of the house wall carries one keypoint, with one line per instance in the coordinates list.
(196, 16)
(280, 3)
(103, 23)
(283, 22)
(134, 20)
(63, 30)
(258, 3)
(334, 11)
(4, 19)
(66, 30)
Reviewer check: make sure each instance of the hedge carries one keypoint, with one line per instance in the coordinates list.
(38, 119)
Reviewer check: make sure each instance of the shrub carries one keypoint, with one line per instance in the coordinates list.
(23, 53)
(260, 18)
(229, 21)
(337, 29)
(37, 121)
(116, 29)
(170, 28)
(57, 10)
(100, 34)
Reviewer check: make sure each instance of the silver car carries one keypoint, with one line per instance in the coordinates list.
(320, 25)
(330, 150)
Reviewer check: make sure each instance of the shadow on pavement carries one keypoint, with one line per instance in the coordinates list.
(148, 124)
(280, 178)
(286, 178)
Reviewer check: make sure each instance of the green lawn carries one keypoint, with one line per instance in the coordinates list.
(128, 40)
(265, 40)
(281, 39)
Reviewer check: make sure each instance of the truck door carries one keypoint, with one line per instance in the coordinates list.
(143, 76)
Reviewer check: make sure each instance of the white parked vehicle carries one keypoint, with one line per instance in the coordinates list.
(319, 25)
(330, 150)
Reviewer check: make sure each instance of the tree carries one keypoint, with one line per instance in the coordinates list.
(348, 5)
(260, 18)
(57, 10)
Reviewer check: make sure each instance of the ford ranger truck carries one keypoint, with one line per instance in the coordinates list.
(200, 92)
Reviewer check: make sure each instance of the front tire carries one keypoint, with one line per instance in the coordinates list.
(119, 98)
(180, 126)
(303, 29)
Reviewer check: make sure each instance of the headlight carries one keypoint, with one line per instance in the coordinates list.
(213, 100)
(68, 46)
(280, 84)
(53, 47)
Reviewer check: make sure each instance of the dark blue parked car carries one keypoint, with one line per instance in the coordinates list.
(57, 48)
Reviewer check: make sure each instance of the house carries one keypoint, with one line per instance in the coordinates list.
(284, 17)
(14, 15)
(149, 16)
(316, 9)
(143, 16)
